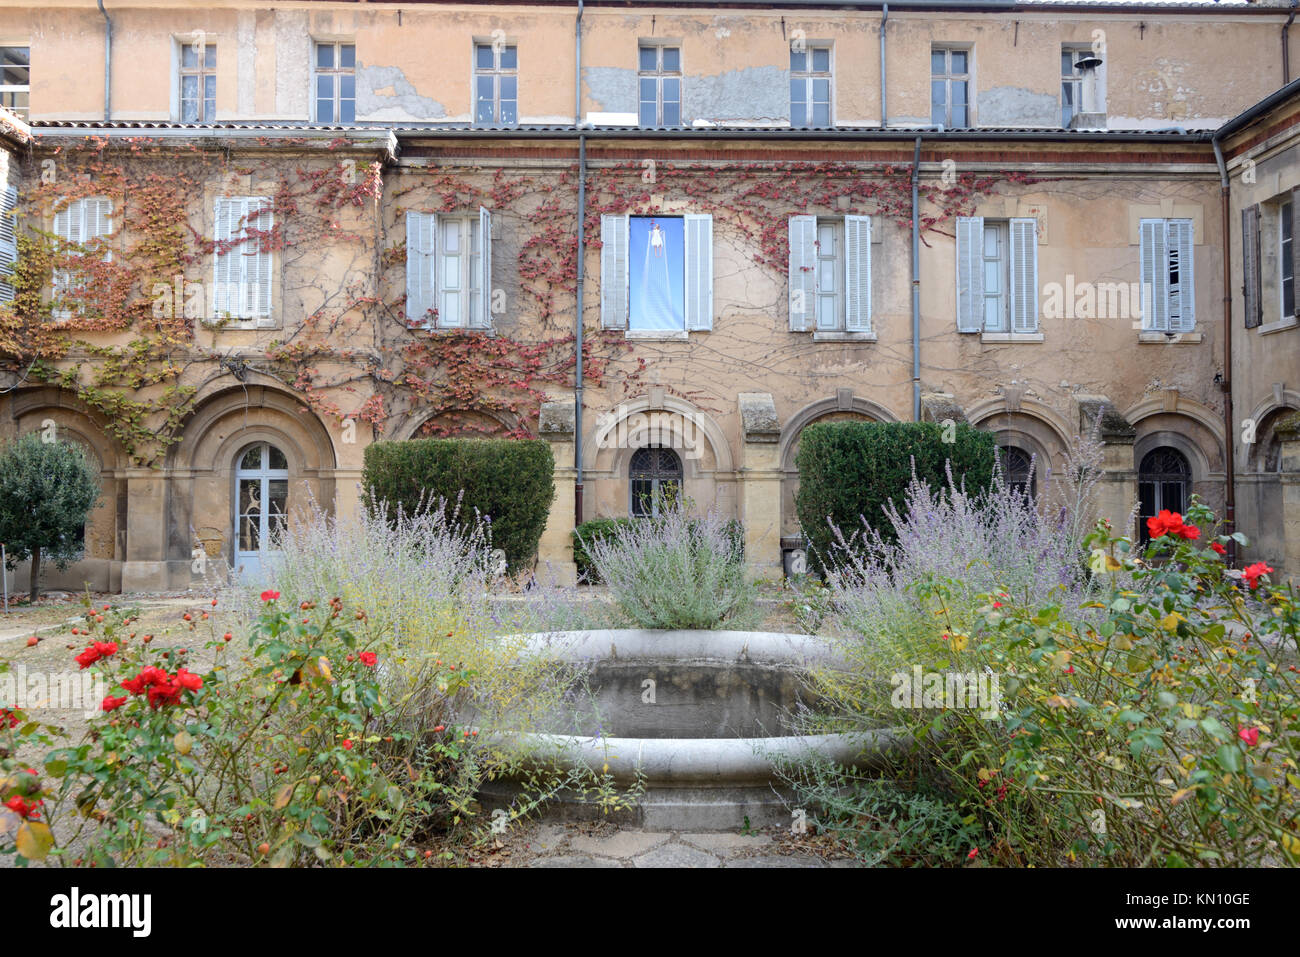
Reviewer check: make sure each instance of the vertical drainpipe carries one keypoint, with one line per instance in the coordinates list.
(108, 63)
(916, 284)
(1230, 470)
(884, 98)
(1286, 46)
(582, 247)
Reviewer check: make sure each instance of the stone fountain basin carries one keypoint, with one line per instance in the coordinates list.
(707, 745)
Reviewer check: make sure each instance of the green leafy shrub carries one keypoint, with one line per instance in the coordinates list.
(510, 482)
(851, 472)
(46, 491)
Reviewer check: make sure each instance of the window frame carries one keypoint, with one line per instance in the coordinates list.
(1002, 229)
(473, 271)
(659, 75)
(202, 70)
(1285, 258)
(1186, 288)
(14, 90)
(61, 279)
(656, 477)
(264, 222)
(496, 73)
(949, 77)
(336, 73)
(808, 76)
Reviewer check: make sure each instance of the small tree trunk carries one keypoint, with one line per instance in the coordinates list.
(36, 577)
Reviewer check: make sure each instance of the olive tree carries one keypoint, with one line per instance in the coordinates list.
(47, 488)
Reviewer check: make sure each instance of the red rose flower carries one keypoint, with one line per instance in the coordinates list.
(368, 658)
(270, 595)
(112, 704)
(148, 677)
(1253, 572)
(1165, 523)
(1249, 735)
(347, 744)
(1218, 548)
(1190, 532)
(22, 808)
(188, 681)
(974, 851)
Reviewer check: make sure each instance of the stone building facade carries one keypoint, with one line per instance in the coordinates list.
(279, 232)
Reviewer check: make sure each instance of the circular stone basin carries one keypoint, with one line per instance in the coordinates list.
(701, 718)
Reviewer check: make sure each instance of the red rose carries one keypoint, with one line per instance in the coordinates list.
(21, 807)
(148, 677)
(112, 704)
(347, 744)
(1253, 572)
(1166, 523)
(270, 595)
(368, 658)
(166, 692)
(1249, 735)
(1218, 548)
(974, 851)
(188, 681)
(1190, 532)
(87, 658)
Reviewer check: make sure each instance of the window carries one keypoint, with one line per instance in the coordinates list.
(336, 83)
(830, 274)
(1081, 84)
(449, 270)
(8, 241)
(660, 80)
(81, 227)
(242, 266)
(949, 88)
(1163, 479)
(496, 85)
(198, 82)
(655, 478)
(1286, 258)
(997, 275)
(1018, 470)
(810, 86)
(262, 500)
(1168, 287)
(656, 273)
(15, 79)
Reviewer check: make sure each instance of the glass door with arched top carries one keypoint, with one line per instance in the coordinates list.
(261, 502)
(1164, 480)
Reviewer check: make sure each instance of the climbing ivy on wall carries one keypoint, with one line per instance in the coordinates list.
(132, 350)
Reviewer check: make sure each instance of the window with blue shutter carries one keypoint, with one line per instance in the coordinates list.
(78, 225)
(830, 274)
(449, 270)
(1167, 274)
(8, 241)
(656, 273)
(242, 271)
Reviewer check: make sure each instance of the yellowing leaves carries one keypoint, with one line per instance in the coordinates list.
(1170, 622)
(34, 840)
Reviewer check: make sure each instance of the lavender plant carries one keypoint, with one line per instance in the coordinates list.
(677, 571)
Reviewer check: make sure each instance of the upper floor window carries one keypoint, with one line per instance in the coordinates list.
(656, 273)
(997, 275)
(8, 242)
(830, 274)
(950, 87)
(336, 83)
(449, 270)
(1268, 274)
(1168, 284)
(242, 259)
(15, 79)
(1081, 84)
(810, 86)
(198, 82)
(1286, 257)
(496, 84)
(80, 228)
(659, 78)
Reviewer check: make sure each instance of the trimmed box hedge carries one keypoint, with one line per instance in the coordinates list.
(510, 481)
(849, 471)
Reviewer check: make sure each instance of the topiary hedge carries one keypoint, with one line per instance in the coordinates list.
(510, 481)
(597, 529)
(850, 471)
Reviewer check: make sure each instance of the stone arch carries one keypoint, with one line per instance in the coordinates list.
(27, 410)
(708, 465)
(200, 494)
(490, 420)
(1033, 427)
(1260, 456)
(836, 408)
(1189, 434)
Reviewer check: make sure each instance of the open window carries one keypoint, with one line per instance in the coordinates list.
(997, 275)
(830, 274)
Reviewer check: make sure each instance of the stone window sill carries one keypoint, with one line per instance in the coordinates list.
(1011, 337)
(829, 336)
(668, 335)
(1170, 338)
(1290, 322)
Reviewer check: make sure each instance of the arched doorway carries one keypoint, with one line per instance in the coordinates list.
(654, 478)
(1164, 477)
(261, 501)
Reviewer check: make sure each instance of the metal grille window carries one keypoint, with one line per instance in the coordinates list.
(15, 78)
(1018, 470)
(655, 476)
(810, 87)
(198, 79)
(336, 83)
(949, 88)
(1163, 480)
(496, 85)
(659, 79)
(1286, 261)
